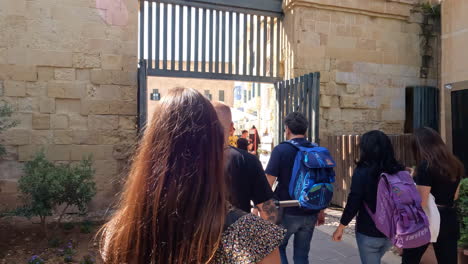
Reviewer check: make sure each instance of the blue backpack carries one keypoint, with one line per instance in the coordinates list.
(312, 176)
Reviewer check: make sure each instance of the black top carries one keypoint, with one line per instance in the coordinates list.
(441, 187)
(243, 143)
(247, 180)
(363, 190)
(280, 165)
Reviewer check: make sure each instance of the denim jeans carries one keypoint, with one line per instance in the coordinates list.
(302, 227)
(372, 249)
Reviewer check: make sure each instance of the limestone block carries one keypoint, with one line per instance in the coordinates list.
(41, 137)
(28, 104)
(27, 152)
(58, 152)
(65, 74)
(352, 88)
(15, 137)
(367, 90)
(66, 89)
(123, 151)
(344, 42)
(83, 75)
(59, 121)
(123, 108)
(1, 88)
(129, 93)
(68, 106)
(124, 77)
(101, 76)
(82, 60)
(36, 89)
(356, 102)
(129, 63)
(104, 168)
(334, 113)
(344, 66)
(127, 122)
(111, 62)
(347, 77)
(367, 44)
(78, 121)
(310, 39)
(86, 137)
(63, 137)
(353, 115)
(14, 88)
(325, 101)
(366, 67)
(49, 58)
(98, 107)
(108, 92)
(105, 45)
(41, 121)
(47, 105)
(98, 152)
(103, 122)
(23, 73)
(110, 137)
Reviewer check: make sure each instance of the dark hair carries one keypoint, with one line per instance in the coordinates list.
(428, 146)
(377, 153)
(245, 131)
(297, 123)
(173, 206)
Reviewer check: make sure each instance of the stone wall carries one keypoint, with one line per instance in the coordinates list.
(68, 69)
(367, 52)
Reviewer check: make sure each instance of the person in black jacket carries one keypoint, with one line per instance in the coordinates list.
(377, 156)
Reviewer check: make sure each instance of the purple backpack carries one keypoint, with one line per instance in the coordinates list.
(399, 214)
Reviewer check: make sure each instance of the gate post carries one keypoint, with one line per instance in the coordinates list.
(142, 95)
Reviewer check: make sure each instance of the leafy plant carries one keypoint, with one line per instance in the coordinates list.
(462, 205)
(6, 122)
(36, 260)
(86, 227)
(88, 259)
(54, 242)
(68, 226)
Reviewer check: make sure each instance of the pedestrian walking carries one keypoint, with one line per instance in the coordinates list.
(174, 208)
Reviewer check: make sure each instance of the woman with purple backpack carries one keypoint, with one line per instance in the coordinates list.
(438, 173)
(377, 157)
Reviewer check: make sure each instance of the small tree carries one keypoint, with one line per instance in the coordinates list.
(462, 205)
(39, 187)
(5, 122)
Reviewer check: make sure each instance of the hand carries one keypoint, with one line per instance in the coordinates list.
(338, 234)
(321, 218)
(255, 212)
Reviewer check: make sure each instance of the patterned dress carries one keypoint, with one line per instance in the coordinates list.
(249, 240)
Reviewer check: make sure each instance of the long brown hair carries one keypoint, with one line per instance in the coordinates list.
(173, 206)
(428, 146)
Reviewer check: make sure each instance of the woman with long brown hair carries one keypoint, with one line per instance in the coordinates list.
(438, 173)
(173, 208)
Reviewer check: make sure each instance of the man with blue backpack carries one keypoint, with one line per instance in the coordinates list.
(304, 172)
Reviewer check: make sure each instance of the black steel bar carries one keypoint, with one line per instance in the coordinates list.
(142, 96)
(231, 39)
(157, 26)
(196, 33)
(265, 47)
(189, 39)
(295, 94)
(237, 64)
(142, 30)
(181, 38)
(244, 49)
(150, 35)
(173, 41)
(251, 42)
(212, 75)
(203, 49)
(278, 42)
(217, 36)
(165, 37)
(311, 105)
(223, 42)
(287, 96)
(258, 51)
(272, 24)
(211, 32)
(302, 91)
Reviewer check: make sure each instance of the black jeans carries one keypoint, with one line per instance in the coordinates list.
(446, 246)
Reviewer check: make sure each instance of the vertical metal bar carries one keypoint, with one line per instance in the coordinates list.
(181, 38)
(302, 92)
(296, 94)
(142, 30)
(142, 96)
(157, 26)
(217, 33)
(203, 46)
(251, 42)
(231, 39)
(271, 44)
(189, 38)
(173, 41)
(211, 32)
(150, 35)
(306, 100)
(316, 89)
(278, 42)
(196, 33)
(223, 42)
(245, 47)
(311, 104)
(286, 96)
(165, 36)
(237, 43)
(257, 52)
(265, 47)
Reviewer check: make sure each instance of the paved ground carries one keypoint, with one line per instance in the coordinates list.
(324, 250)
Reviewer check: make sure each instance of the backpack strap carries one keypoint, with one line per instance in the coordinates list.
(383, 177)
(298, 146)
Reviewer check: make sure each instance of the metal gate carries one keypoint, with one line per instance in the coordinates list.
(301, 94)
(210, 39)
(460, 125)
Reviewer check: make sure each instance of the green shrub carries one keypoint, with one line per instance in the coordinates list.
(86, 227)
(46, 186)
(68, 226)
(5, 122)
(462, 205)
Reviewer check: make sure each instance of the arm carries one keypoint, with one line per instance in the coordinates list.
(268, 211)
(424, 192)
(273, 258)
(457, 193)
(261, 192)
(271, 180)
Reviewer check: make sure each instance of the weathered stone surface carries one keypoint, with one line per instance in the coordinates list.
(15, 137)
(65, 74)
(41, 121)
(82, 60)
(41, 137)
(28, 104)
(78, 121)
(98, 152)
(45, 73)
(111, 62)
(127, 122)
(68, 105)
(24, 120)
(14, 88)
(83, 74)
(352, 88)
(47, 105)
(85, 137)
(63, 137)
(66, 89)
(49, 58)
(103, 122)
(59, 121)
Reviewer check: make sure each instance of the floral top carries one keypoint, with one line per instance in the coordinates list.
(248, 240)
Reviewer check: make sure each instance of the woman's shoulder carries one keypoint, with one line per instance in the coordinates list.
(249, 240)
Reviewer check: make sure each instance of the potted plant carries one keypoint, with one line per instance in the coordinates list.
(462, 205)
